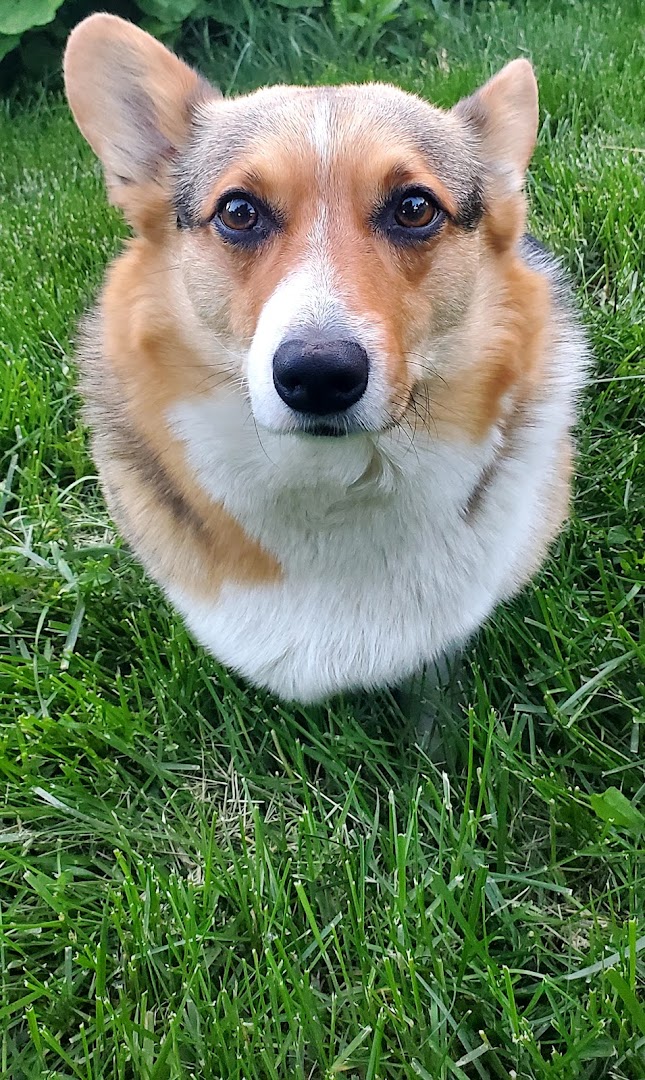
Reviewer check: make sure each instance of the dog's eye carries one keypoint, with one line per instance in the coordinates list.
(415, 211)
(238, 213)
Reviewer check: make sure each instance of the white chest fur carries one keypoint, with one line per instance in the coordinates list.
(383, 568)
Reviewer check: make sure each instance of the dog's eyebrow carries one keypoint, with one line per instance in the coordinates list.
(461, 196)
(445, 197)
(247, 179)
(464, 211)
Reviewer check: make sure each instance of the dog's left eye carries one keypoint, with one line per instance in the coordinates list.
(415, 211)
(410, 216)
(239, 213)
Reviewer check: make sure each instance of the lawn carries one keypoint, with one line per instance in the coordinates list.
(196, 881)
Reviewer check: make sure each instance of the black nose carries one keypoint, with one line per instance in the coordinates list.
(320, 377)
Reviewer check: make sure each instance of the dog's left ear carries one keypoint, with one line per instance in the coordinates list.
(503, 113)
(133, 101)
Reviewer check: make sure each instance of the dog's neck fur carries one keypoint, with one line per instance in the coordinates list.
(256, 474)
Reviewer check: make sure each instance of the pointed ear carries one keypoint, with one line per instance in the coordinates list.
(504, 115)
(131, 98)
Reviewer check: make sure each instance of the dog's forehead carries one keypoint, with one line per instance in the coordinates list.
(319, 128)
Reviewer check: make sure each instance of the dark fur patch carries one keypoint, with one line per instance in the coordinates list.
(183, 208)
(135, 452)
(471, 209)
(512, 427)
(478, 494)
(533, 246)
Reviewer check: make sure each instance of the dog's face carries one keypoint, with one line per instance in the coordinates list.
(328, 233)
(329, 240)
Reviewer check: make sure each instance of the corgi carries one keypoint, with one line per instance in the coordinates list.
(330, 382)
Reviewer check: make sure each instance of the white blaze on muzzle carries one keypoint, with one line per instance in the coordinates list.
(308, 302)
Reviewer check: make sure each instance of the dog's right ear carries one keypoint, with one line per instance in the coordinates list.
(132, 100)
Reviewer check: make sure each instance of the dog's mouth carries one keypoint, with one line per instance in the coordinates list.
(327, 431)
(329, 428)
(339, 426)
(334, 427)
(343, 425)
(354, 422)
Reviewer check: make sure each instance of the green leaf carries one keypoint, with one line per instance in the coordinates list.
(601, 1048)
(618, 534)
(612, 806)
(165, 31)
(7, 43)
(168, 11)
(294, 5)
(628, 997)
(16, 16)
(223, 12)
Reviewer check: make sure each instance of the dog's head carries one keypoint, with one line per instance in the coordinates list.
(329, 239)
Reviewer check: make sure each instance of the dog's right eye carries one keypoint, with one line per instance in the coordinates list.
(245, 220)
(238, 213)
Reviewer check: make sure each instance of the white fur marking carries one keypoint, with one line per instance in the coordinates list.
(306, 300)
(321, 135)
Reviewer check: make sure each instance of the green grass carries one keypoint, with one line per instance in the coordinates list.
(196, 881)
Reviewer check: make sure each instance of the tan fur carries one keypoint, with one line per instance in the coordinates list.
(508, 375)
(152, 364)
(198, 554)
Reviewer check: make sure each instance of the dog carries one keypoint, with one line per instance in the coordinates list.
(331, 381)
